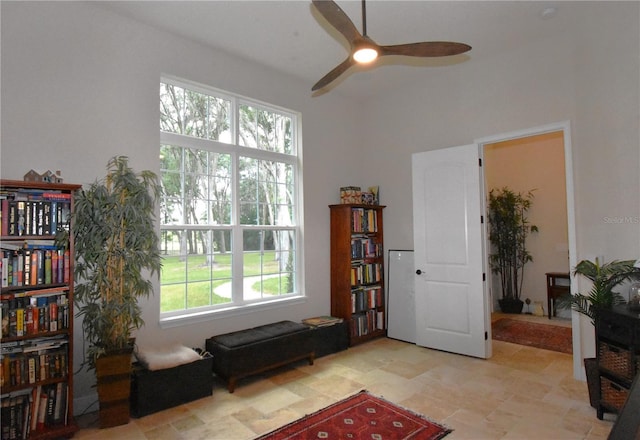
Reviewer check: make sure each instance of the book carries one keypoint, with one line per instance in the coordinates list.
(4, 222)
(47, 267)
(36, 405)
(58, 404)
(26, 255)
(42, 409)
(21, 219)
(51, 398)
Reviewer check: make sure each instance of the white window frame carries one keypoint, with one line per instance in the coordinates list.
(239, 305)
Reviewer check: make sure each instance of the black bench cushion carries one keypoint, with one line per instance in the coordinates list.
(260, 333)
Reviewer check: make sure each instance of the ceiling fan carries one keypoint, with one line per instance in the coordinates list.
(364, 50)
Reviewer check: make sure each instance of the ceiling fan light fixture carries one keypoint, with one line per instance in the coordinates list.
(365, 54)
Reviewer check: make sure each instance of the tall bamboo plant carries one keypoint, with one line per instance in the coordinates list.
(508, 231)
(116, 246)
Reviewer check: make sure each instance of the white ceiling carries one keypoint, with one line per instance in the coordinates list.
(290, 36)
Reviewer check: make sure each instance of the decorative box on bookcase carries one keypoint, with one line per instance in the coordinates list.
(36, 365)
(357, 270)
(618, 354)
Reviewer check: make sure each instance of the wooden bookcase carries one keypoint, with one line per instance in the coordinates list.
(37, 311)
(357, 270)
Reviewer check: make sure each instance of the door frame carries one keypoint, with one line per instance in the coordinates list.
(565, 128)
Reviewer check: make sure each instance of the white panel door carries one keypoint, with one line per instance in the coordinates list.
(452, 312)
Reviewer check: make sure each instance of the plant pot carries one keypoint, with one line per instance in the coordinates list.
(113, 373)
(593, 381)
(511, 305)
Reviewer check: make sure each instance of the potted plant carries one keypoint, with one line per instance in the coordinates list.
(116, 246)
(508, 231)
(604, 277)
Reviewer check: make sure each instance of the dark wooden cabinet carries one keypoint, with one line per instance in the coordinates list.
(618, 355)
(357, 270)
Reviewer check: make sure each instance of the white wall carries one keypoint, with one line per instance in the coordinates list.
(589, 77)
(80, 85)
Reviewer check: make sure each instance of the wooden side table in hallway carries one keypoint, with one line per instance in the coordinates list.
(558, 284)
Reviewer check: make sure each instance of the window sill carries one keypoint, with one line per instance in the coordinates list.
(208, 315)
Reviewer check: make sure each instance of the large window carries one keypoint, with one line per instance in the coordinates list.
(230, 213)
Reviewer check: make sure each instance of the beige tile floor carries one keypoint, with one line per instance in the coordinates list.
(520, 393)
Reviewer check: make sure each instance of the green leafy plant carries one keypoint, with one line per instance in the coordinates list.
(605, 277)
(508, 231)
(115, 245)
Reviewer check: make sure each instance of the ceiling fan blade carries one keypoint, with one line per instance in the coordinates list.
(426, 49)
(334, 74)
(338, 19)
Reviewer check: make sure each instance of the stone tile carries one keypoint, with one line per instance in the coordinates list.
(520, 393)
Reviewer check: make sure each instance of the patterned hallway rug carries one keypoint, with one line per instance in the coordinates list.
(545, 336)
(361, 416)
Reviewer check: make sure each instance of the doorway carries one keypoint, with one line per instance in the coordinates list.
(533, 165)
(565, 248)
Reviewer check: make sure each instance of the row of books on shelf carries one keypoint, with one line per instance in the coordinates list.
(363, 299)
(35, 217)
(365, 273)
(364, 220)
(31, 367)
(367, 323)
(34, 411)
(27, 266)
(24, 315)
(365, 247)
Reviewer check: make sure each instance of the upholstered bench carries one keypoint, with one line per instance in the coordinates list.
(255, 350)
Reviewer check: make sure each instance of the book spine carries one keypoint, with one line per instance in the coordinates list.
(19, 257)
(20, 321)
(47, 267)
(67, 265)
(4, 225)
(46, 218)
(34, 268)
(21, 219)
(4, 268)
(42, 410)
(60, 266)
(41, 269)
(39, 217)
(54, 216)
(53, 315)
(26, 255)
(54, 267)
(36, 405)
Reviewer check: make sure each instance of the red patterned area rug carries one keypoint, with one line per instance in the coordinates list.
(545, 336)
(361, 416)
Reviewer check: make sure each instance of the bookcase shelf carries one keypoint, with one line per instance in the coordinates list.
(357, 270)
(36, 356)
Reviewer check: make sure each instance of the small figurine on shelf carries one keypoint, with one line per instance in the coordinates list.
(375, 190)
(47, 177)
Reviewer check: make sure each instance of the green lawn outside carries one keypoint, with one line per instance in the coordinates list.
(174, 271)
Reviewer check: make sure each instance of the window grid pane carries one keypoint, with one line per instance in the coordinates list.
(198, 199)
(269, 263)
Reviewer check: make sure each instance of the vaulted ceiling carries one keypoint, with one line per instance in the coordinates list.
(292, 37)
